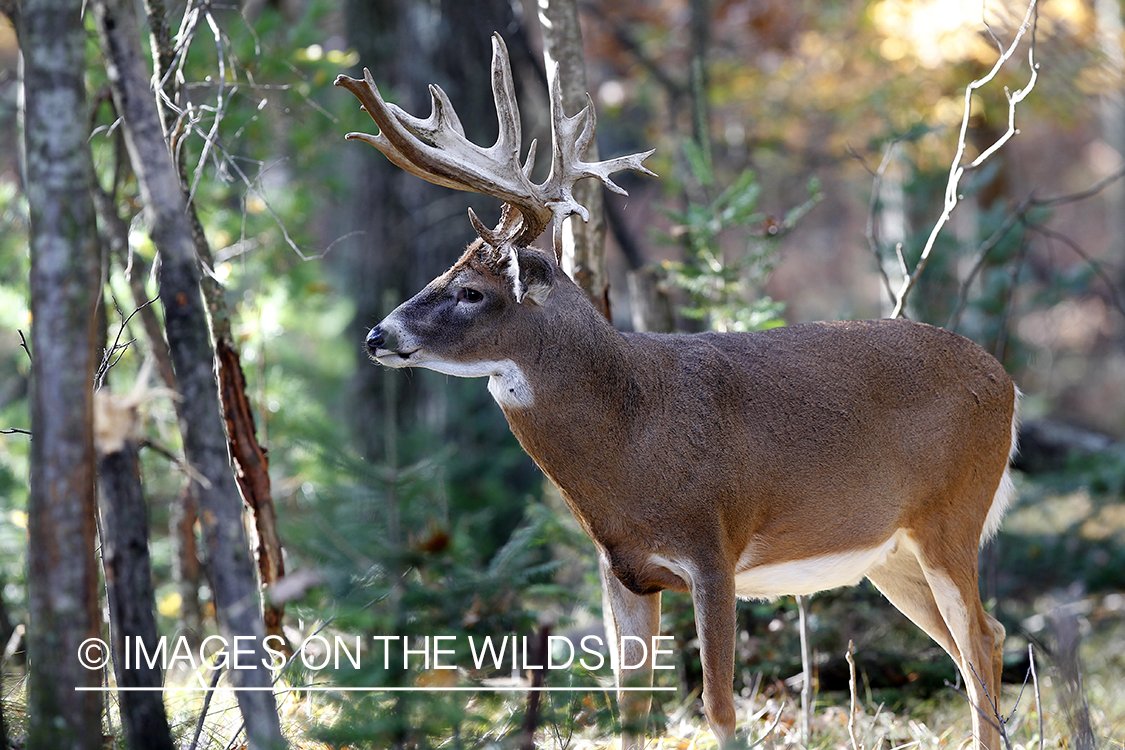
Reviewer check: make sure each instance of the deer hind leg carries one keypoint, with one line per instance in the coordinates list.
(901, 579)
(629, 614)
(951, 572)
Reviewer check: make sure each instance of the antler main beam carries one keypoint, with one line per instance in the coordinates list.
(437, 150)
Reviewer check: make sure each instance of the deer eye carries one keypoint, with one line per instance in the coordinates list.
(464, 294)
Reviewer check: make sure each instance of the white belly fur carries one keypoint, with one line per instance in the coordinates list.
(809, 575)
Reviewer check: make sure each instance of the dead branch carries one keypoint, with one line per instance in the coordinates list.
(1111, 287)
(23, 345)
(806, 668)
(1038, 697)
(957, 169)
(978, 261)
(852, 690)
(870, 232)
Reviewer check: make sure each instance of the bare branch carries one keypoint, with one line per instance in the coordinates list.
(117, 348)
(1035, 682)
(876, 186)
(1111, 287)
(1020, 214)
(957, 169)
(23, 344)
(1089, 192)
(180, 463)
(806, 668)
(852, 687)
(978, 261)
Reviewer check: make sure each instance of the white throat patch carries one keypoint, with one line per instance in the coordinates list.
(509, 386)
(506, 381)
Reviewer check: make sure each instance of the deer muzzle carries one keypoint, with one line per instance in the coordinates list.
(376, 339)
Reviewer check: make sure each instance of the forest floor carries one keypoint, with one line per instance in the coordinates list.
(1073, 699)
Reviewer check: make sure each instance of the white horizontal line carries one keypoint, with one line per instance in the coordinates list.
(326, 689)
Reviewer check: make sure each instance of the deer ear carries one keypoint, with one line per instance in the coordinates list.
(536, 277)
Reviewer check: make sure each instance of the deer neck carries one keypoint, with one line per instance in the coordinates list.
(584, 382)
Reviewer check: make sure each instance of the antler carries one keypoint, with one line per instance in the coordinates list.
(437, 150)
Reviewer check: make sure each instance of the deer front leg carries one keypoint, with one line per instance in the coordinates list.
(712, 594)
(636, 616)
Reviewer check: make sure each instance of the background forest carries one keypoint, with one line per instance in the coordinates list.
(804, 151)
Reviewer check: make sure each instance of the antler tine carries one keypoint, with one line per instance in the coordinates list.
(569, 144)
(436, 149)
(509, 136)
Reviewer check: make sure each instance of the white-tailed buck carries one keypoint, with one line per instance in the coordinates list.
(724, 465)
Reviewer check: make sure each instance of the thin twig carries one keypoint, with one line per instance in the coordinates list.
(852, 689)
(1038, 698)
(1020, 213)
(776, 721)
(978, 262)
(206, 705)
(14, 431)
(189, 471)
(984, 715)
(874, 724)
(1019, 697)
(1009, 303)
(1111, 287)
(876, 188)
(1089, 192)
(190, 116)
(806, 668)
(23, 345)
(117, 347)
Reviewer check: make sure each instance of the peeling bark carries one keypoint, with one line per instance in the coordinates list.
(253, 475)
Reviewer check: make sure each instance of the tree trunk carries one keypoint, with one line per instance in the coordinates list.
(62, 575)
(205, 443)
(182, 516)
(128, 575)
(250, 458)
(583, 242)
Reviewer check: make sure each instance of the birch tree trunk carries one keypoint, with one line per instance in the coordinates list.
(583, 242)
(205, 443)
(62, 573)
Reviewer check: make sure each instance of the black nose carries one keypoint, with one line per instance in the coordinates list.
(375, 339)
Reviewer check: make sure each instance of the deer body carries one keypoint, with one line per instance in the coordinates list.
(754, 464)
(786, 461)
